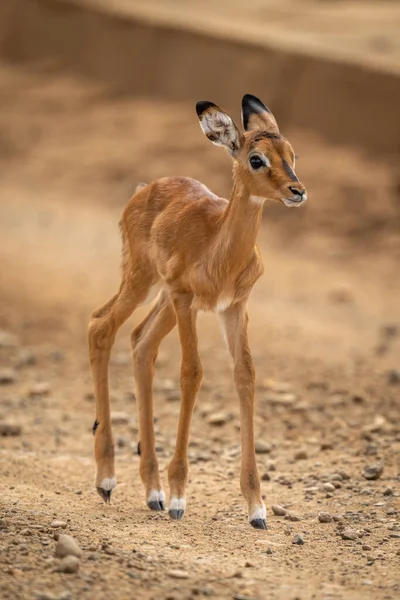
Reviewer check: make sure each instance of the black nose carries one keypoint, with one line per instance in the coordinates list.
(296, 191)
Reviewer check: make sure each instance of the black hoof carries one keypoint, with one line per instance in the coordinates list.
(176, 514)
(105, 494)
(156, 505)
(259, 524)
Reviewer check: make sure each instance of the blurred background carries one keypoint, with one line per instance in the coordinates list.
(99, 95)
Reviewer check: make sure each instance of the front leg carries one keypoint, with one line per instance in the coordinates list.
(234, 322)
(191, 374)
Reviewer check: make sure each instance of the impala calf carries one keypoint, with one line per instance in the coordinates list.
(200, 251)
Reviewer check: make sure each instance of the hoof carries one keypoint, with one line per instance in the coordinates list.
(156, 505)
(104, 494)
(259, 524)
(176, 513)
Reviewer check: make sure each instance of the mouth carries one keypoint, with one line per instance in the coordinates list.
(294, 200)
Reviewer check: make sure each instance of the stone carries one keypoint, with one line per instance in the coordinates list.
(262, 447)
(278, 510)
(388, 492)
(67, 545)
(301, 455)
(393, 377)
(328, 487)
(66, 595)
(265, 477)
(10, 429)
(218, 418)
(373, 471)
(298, 539)
(3, 524)
(7, 376)
(42, 388)
(69, 564)
(55, 524)
(349, 534)
(178, 574)
(119, 418)
(366, 547)
(324, 517)
(292, 517)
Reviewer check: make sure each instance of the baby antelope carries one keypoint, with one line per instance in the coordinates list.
(199, 252)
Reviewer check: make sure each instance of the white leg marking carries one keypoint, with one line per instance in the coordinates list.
(257, 199)
(156, 496)
(258, 512)
(108, 483)
(177, 503)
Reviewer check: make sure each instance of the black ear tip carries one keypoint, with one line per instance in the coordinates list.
(202, 106)
(251, 103)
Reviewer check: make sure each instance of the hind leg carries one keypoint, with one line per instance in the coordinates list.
(146, 339)
(103, 327)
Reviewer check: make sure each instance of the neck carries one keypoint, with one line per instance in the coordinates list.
(240, 224)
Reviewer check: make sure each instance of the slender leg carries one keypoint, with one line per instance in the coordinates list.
(234, 322)
(103, 327)
(191, 374)
(146, 339)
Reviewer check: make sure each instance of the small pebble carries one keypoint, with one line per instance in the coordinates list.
(218, 418)
(66, 545)
(56, 524)
(366, 547)
(119, 418)
(301, 455)
(292, 517)
(393, 377)
(69, 564)
(298, 539)
(265, 477)
(178, 574)
(10, 429)
(373, 471)
(349, 534)
(7, 376)
(262, 447)
(328, 487)
(278, 510)
(42, 388)
(324, 517)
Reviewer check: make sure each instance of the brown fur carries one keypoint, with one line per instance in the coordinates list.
(202, 251)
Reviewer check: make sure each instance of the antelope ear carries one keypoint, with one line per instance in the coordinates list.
(255, 115)
(219, 127)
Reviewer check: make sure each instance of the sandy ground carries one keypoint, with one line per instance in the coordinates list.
(325, 333)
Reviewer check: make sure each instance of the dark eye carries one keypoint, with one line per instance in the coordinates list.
(256, 162)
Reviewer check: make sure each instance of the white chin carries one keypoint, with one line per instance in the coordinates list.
(292, 203)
